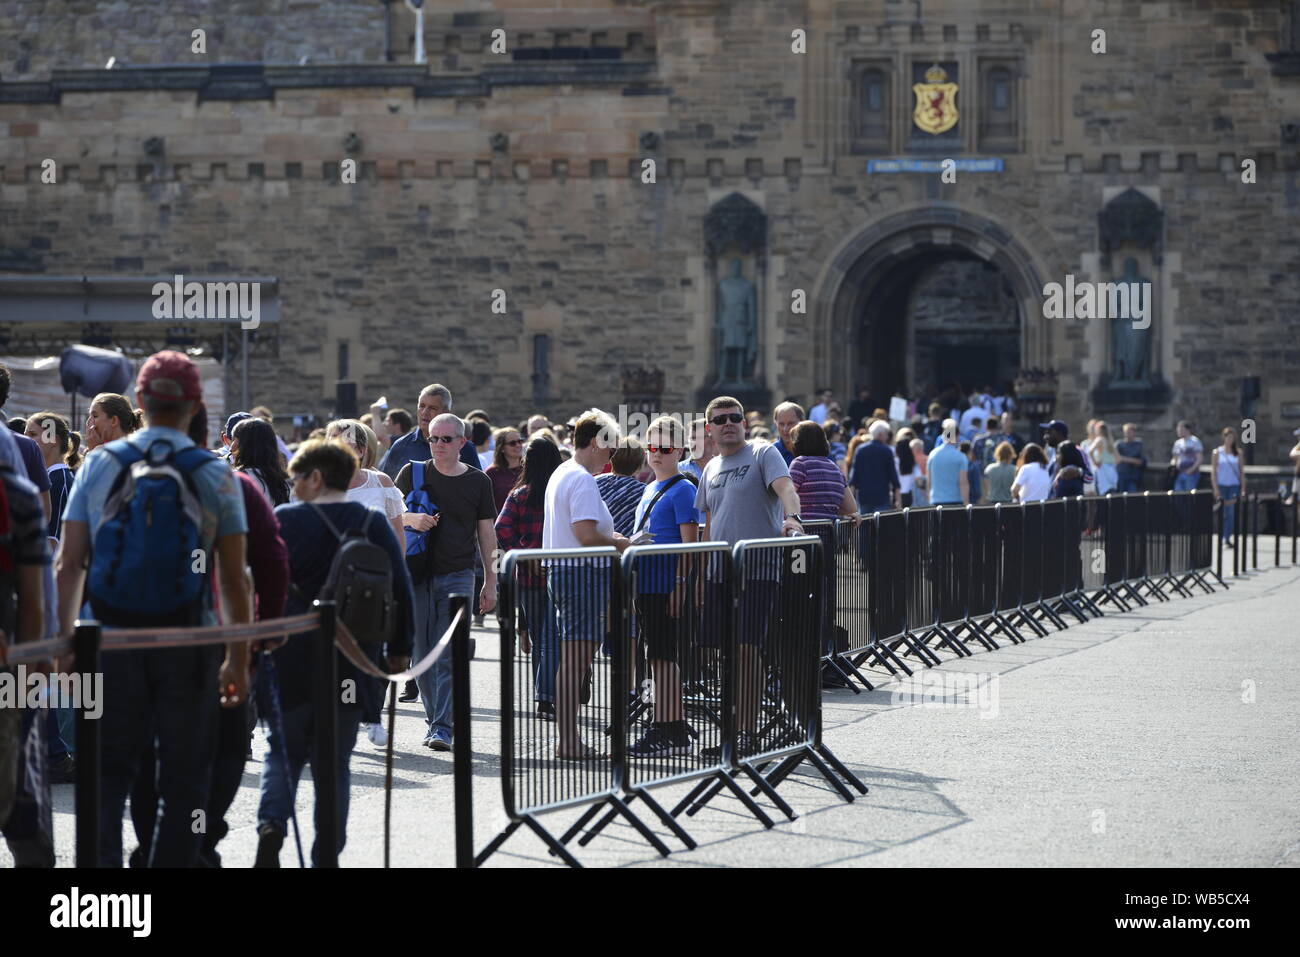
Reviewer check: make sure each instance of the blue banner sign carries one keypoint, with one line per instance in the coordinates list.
(989, 164)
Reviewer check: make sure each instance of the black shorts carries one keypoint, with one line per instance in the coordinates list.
(757, 605)
(661, 632)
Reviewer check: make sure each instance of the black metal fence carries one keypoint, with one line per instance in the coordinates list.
(677, 663)
(945, 577)
(704, 663)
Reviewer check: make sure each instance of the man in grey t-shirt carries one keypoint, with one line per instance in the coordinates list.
(738, 493)
(745, 492)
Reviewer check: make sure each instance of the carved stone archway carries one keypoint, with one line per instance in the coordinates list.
(870, 255)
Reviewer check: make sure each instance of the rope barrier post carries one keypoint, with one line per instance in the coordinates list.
(462, 753)
(1277, 533)
(324, 762)
(1218, 520)
(1238, 534)
(85, 645)
(1254, 537)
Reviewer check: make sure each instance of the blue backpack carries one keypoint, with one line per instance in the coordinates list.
(142, 569)
(419, 545)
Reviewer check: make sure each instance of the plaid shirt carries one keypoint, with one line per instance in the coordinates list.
(519, 526)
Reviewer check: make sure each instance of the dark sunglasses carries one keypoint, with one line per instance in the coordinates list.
(666, 449)
(514, 442)
(734, 417)
(444, 439)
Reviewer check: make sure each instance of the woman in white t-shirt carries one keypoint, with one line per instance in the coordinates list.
(1032, 483)
(370, 487)
(577, 517)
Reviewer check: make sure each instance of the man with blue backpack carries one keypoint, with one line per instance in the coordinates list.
(151, 516)
(450, 506)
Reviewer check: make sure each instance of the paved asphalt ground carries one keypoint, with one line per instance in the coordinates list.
(1161, 737)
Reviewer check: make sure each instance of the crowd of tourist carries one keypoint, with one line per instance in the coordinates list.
(132, 520)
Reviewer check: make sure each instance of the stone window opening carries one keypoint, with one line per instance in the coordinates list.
(872, 104)
(999, 125)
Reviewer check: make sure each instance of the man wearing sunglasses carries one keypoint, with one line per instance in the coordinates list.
(745, 493)
(466, 512)
(413, 446)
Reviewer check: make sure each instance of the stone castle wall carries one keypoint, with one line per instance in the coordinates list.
(402, 265)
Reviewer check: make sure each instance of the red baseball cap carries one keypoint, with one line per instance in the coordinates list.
(169, 376)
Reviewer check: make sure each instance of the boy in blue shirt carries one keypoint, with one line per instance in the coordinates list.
(667, 511)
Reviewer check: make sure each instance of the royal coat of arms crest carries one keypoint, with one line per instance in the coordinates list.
(936, 102)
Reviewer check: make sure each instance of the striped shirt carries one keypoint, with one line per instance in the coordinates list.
(621, 494)
(820, 485)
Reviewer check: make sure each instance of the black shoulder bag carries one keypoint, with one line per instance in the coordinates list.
(658, 495)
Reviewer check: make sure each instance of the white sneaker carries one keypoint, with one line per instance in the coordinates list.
(378, 736)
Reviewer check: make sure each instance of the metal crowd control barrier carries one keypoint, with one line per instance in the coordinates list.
(1081, 530)
(953, 577)
(1190, 539)
(1060, 543)
(1038, 572)
(982, 609)
(1206, 525)
(1013, 558)
(845, 623)
(564, 701)
(1160, 526)
(1142, 559)
(1104, 554)
(1248, 525)
(680, 713)
(775, 673)
(887, 549)
(922, 572)
(1161, 519)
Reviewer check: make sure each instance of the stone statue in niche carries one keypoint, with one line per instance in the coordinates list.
(1130, 345)
(737, 326)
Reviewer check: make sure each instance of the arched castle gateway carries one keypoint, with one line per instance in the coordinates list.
(865, 323)
(502, 234)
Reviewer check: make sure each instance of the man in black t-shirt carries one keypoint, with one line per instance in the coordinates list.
(464, 521)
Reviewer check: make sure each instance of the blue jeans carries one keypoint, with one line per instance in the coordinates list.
(1229, 495)
(1129, 484)
(432, 618)
(279, 791)
(54, 733)
(1186, 483)
(544, 633)
(170, 693)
